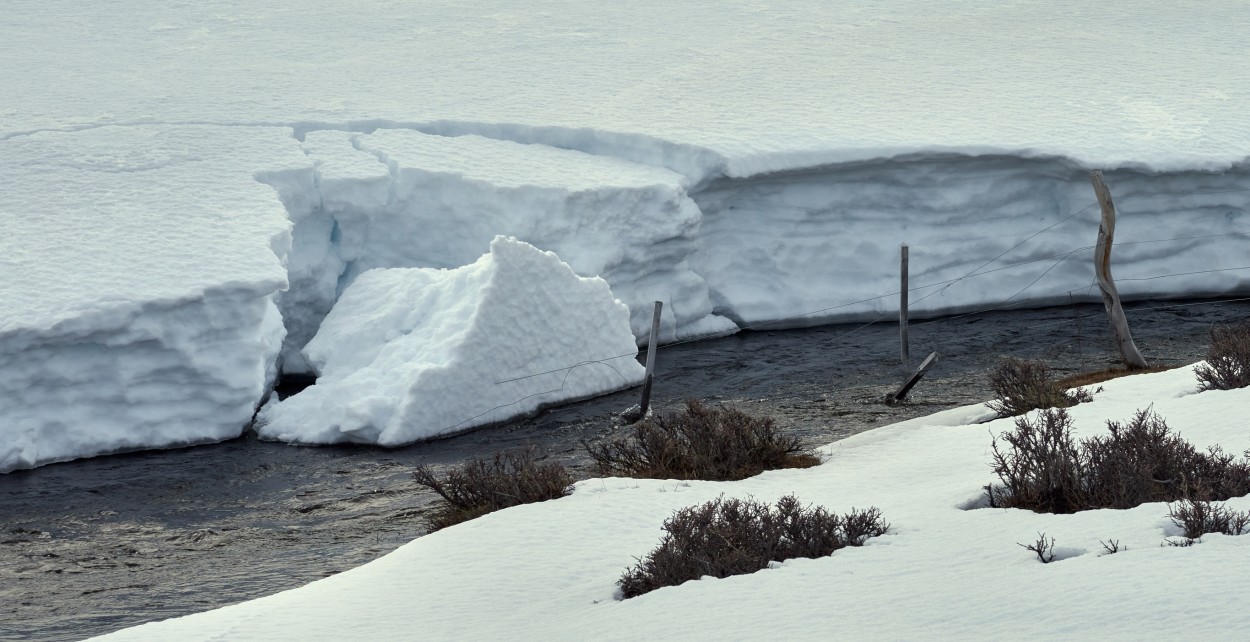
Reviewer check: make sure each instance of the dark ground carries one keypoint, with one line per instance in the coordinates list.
(92, 546)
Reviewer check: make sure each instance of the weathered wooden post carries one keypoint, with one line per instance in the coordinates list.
(1102, 266)
(901, 393)
(651, 341)
(902, 303)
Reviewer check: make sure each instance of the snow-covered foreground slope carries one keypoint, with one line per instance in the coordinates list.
(139, 271)
(947, 570)
(411, 354)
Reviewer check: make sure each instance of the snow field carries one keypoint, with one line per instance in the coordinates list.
(412, 354)
(745, 165)
(548, 570)
(759, 89)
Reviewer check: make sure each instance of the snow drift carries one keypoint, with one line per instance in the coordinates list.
(410, 354)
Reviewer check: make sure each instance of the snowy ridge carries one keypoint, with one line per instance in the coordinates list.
(940, 573)
(411, 354)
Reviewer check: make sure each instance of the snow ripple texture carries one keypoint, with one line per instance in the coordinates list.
(410, 354)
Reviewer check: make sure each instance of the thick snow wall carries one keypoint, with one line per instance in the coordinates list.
(416, 353)
(138, 273)
(809, 246)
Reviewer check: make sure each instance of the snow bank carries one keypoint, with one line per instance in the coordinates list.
(410, 354)
(822, 245)
(548, 570)
(137, 268)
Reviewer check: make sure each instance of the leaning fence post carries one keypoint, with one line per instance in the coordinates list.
(902, 303)
(901, 393)
(646, 381)
(1102, 266)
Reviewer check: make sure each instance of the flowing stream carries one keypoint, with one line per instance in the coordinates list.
(92, 546)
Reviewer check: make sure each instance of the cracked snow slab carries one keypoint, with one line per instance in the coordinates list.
(402, 198)
(137, 270)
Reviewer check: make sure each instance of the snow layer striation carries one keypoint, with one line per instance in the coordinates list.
(409, 353)
(137, 268)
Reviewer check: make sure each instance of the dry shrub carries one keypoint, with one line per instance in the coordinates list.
(481, 486)
(1044, 548)
(734, 536)
(1021, 385)
(1228, 359)
(701, 442)
(1044, 469)
(1198, 518)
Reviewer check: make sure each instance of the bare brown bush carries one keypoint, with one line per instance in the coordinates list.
(481, 486)
(1021, 385)
(1044, 469)
(1044, 548)
(1228, 359)
(1198, 518)
(727, 537)
(701, 442)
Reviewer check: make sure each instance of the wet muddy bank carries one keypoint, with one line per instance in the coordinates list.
(92, 546)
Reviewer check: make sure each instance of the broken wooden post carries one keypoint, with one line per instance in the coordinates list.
(1102, 266)
(924, 367)
(902, 303)
(651, 341)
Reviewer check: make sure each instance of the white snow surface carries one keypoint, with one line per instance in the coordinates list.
(947, 569)
(743, 88)
(135, 314)
(743, 164)
(411, 353)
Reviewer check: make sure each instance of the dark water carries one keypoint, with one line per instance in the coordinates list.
(92, 546)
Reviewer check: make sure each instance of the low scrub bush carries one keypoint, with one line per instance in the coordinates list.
(1021, 385)
(1228, 359)
(1198, 518)
(1044, 548)
(734, 536)
(1044, 469)
(481, 486)
(701, 442)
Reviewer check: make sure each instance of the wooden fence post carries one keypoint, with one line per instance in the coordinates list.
(901, 393)
(651, 341)
(1102, 266)
(902, 303)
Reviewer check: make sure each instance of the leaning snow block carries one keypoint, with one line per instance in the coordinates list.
(415, 353)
